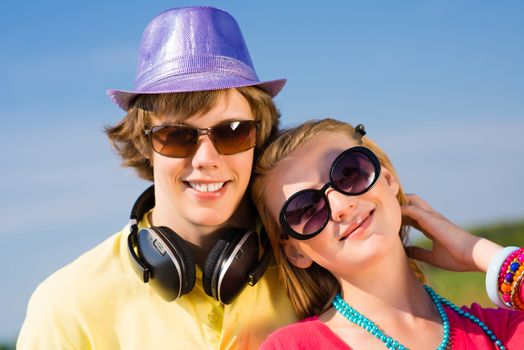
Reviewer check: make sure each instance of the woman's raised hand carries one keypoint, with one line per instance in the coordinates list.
(453, 248)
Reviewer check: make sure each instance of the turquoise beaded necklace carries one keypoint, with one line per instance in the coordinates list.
(362, 321)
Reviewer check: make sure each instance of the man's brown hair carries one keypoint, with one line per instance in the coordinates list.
(131, 143)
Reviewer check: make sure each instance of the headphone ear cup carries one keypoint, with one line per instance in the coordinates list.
(228, 264)
(209, 275)
(172, 266)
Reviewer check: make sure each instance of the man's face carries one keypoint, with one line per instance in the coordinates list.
(201, 192)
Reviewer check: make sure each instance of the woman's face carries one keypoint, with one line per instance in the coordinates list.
(360, 228)
(203, 190)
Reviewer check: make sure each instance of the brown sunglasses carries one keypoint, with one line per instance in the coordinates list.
(181, 141)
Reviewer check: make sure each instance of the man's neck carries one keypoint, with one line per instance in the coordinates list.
(200, 239)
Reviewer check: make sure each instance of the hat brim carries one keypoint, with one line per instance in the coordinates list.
(193, 83)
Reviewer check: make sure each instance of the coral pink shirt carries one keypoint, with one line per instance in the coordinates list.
(508, 325)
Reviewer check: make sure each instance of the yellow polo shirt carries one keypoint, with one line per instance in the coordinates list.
(98, 302)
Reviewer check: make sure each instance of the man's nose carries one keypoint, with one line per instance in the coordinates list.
(206, 154)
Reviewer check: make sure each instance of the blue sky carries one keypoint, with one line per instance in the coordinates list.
(438, 84)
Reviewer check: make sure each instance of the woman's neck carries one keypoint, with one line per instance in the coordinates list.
(389, 284)
(388, 293)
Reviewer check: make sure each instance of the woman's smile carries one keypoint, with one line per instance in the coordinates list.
(358, 228)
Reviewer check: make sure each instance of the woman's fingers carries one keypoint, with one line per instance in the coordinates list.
(417, 218)
(419, 202)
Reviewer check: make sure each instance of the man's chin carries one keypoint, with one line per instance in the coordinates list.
(211, 218)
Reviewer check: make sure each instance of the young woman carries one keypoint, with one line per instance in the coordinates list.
(195, 122)
(332, 205)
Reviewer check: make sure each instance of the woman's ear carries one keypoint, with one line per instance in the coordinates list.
(391, 180)
(295, 255)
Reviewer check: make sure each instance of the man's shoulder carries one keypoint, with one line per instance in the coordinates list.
(78, 298)
(91, 271)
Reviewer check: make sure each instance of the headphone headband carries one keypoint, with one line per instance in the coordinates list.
(144, 203)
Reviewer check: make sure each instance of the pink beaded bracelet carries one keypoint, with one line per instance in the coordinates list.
(510, 270)
(505, 265)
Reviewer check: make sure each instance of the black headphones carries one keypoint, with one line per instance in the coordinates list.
(165, 261)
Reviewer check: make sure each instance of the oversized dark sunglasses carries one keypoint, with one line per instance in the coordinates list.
(306, 213)
(181, 141)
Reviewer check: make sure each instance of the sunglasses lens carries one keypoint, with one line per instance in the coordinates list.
(353, 173)
(234, 137)
(307, 212)
(174, 141)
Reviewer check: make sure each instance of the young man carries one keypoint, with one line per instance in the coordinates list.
(196, 119)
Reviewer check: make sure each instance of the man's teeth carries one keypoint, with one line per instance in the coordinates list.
(206, 187)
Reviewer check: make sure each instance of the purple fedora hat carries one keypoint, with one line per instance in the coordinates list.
(192, 49)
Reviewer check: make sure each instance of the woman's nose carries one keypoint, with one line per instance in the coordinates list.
(341, 204)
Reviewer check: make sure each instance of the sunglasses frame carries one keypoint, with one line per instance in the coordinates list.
(200, 132)
(286, 228)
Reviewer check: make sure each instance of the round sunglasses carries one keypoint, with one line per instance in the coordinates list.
(306, 213)
(181, 141)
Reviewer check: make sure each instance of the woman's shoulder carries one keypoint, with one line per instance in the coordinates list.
(506, 324)
(495, 313)
(310, 333)
(307, 324)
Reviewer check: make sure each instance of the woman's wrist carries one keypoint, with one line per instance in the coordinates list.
(484, 252)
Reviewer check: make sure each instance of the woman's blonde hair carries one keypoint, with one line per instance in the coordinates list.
(310, 290)
(131, 143)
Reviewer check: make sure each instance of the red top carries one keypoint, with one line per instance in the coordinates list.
(508, 326)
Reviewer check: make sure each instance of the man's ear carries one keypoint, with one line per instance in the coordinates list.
(295, 255)
(391, 180)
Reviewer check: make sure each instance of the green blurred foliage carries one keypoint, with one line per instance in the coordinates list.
(464, 288)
